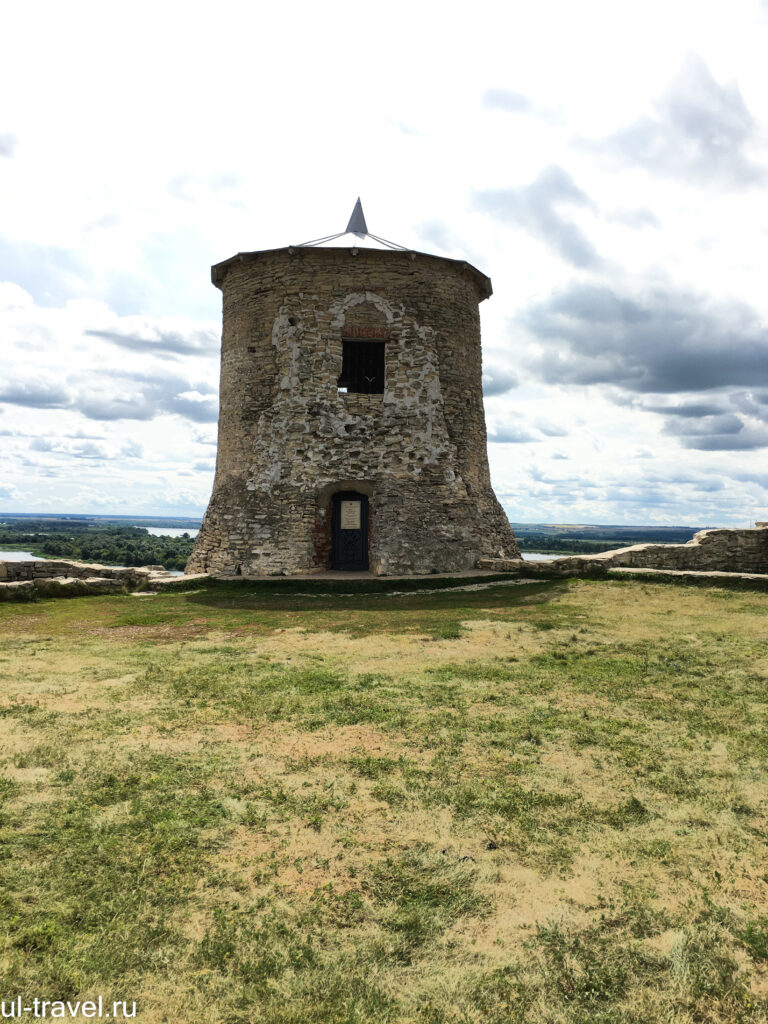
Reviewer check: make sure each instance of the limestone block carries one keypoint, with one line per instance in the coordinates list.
(167, 581)
(501, 564)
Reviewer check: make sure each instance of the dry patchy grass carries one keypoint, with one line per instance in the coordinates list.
(543, 804)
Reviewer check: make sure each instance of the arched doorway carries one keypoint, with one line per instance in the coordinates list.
(349, 529)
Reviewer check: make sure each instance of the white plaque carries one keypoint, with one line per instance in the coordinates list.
(350, 515)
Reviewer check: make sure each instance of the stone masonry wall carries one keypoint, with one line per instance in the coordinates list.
(289, 440)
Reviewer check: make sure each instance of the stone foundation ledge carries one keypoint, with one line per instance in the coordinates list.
(758, 579)
(566, 566)
(157, 581)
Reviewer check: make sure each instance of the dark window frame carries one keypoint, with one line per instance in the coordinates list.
(363, 367)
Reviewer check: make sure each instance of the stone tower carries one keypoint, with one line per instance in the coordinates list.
(351, 425)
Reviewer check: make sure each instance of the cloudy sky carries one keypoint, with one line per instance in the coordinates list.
(606, 163)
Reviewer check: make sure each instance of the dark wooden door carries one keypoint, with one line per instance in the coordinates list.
(350, 531)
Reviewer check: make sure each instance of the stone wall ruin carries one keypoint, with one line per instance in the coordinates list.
(725, 550)
(49, 577)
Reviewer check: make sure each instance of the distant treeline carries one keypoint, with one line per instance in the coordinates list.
(84, 542)
(547, 544)
(87, 541)
(68, 520)
(592, 540)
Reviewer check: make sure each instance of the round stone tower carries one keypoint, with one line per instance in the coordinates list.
(351, 425)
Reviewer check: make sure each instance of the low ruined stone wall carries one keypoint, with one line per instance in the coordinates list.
(26, 581)
(714, 550)
(744, 551)
(48, 568)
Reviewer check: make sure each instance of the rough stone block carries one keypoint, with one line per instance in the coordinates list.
(74, 586)
(20, 590)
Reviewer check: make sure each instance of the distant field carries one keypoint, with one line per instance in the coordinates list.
(559, 538)
(535, 802)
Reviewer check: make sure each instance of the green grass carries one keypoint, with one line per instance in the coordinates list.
(543, 802)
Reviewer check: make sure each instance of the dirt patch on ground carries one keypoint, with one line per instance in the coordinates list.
(187, 740)
(524, 899)
(165, 633)
(27, 776)
(296, 860)
(15, 737)
(398, 654)
(282, 740)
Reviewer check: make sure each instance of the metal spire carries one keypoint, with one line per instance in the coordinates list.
(357, 225)
(359, 229)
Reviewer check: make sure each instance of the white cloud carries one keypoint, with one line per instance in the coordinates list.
(699, 130)
(118, 191)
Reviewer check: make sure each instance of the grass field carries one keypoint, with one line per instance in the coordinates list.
(542, 802)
